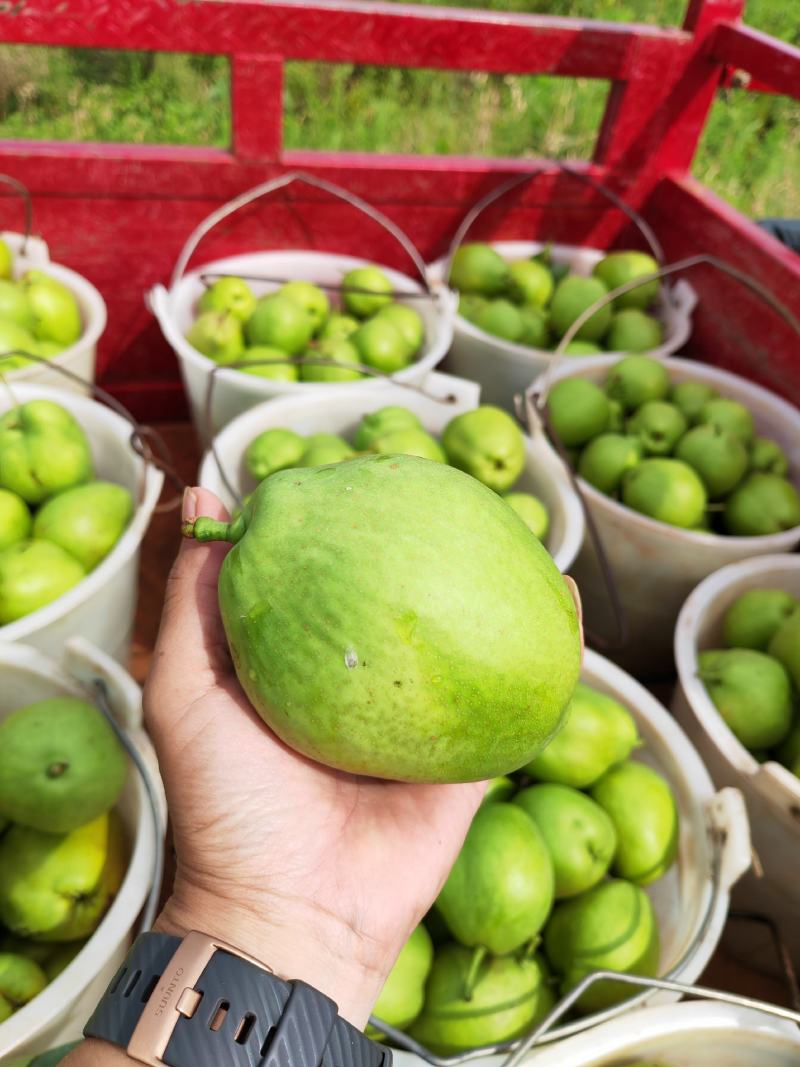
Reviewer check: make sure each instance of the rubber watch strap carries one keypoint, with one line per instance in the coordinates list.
(265, 1021)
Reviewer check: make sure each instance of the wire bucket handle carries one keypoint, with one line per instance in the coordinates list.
(281, 182)
(24, 193)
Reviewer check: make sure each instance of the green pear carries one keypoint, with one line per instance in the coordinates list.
(499, 790)
(43, 451)
(578, 410)
(582, 348)
(408, 322)
(530, 282)
(279, 322)
(324, 448)
(532, 512)
(338, 328)
(754, 617)
(619, 268)
(572, 296)
(477, 268)
(229, 294)
(579, 835)
(762, 504)
(273, 450)
(730, 415)
(56, 887)
(469, 305)
(15, 338)
(632, 330)
(658, 425)
(768, 457)
(56, 315)
(636, 379)
(410, 441)
(666, 490)
(486, 443)
(342, 354)
(6, 260)
(33, 574)
(380, 344)
(14, 305)
(61, 765)
(508, 997)
(719, 457)
(217, 335)
(385, 420)
(752, 693)
(785, 646)
(263, 359)
(501, 319)
(611, 927)
(598, 732)
(366, 290)
(690, 398)
(403, 994)
(311, 299)
(15, 519)
(20, 981)
(642, 808)
(86, 521)
(535, 331)
(788, 752)
(500, 889)
(606, 458)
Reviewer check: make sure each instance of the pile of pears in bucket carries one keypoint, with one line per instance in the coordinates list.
(371, 327)
(754, 681)
(678, 452)
(547, 888)
(63, 848)
(534, 301)
(38, 314)
(57, 523)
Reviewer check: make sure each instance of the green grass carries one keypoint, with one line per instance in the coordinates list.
(749, 154)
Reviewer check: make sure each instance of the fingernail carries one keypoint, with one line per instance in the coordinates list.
(189, 509)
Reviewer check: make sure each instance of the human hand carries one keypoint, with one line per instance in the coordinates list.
(319, 874)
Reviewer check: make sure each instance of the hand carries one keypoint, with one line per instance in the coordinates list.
(317, 873)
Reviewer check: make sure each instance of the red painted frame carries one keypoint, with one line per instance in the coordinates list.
(120, 213)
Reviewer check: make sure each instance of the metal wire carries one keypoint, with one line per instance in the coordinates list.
(208, 277)
(159, 830)
(23, 191)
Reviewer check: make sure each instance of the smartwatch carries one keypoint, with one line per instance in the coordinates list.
(198, 1002)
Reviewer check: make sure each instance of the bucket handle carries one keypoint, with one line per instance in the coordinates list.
(24, 193)
(271, 186)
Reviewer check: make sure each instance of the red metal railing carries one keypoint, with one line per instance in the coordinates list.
(119, 213)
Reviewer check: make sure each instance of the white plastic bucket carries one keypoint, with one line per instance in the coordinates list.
(772, 792)
(691, 900)
(655, 565)
(341, 413)
(100, 608)
(505, 369)
(58, 1014)
(701, 1034)
(79, 358)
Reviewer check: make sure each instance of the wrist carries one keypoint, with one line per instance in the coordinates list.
(293, 941)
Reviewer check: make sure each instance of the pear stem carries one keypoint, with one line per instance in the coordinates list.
(478, 956)
(207, 529)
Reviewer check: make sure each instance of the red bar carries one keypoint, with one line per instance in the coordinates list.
(771, 63)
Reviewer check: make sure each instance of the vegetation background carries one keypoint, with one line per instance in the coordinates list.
(750, 153)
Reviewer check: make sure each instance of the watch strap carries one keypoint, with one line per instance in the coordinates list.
(263, 1021)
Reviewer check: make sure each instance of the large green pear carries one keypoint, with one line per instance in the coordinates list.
(55, 887)
(15, 519)
(500, 889)
(752, 693)
(20, 981)
(43, 451)
(785, 646)
(488, 444)
(393, 617)
(642, 808)
(56, 315)
(86, 521)
(61, 765)
(611, 927)
(403, 994)
(32, 575)
(597, 733)
(507, 998)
